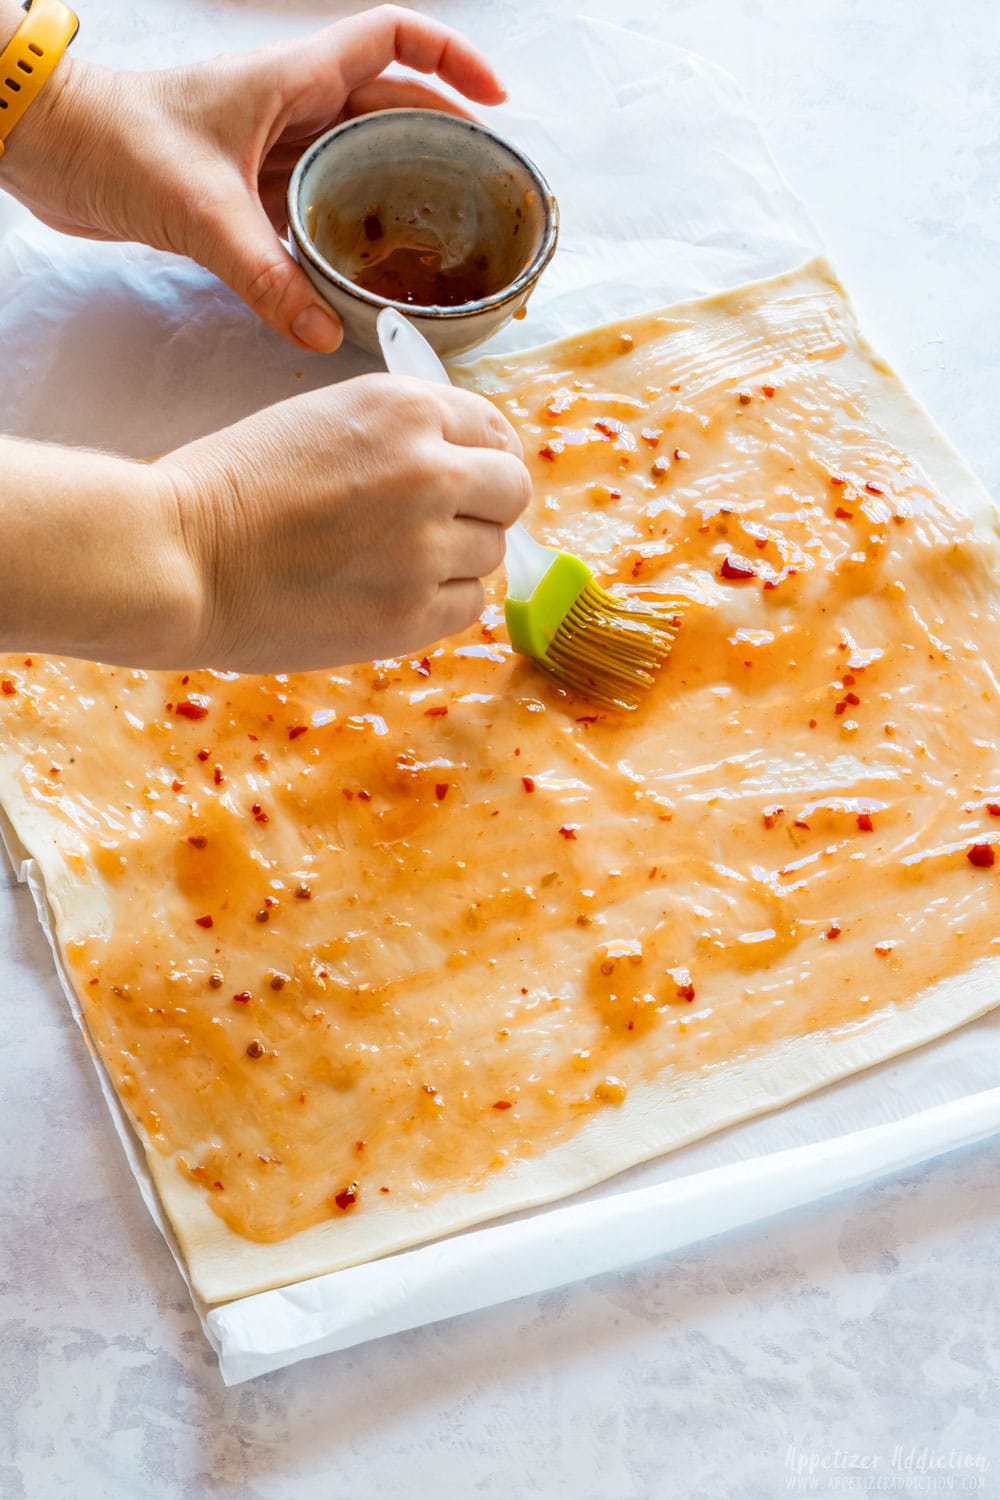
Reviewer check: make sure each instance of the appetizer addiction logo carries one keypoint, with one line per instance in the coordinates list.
(912, 1470)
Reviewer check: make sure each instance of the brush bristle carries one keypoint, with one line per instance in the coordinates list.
(609, 647)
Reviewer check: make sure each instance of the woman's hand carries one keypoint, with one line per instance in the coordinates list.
(352, 523)
(346, 525)
(196, 160)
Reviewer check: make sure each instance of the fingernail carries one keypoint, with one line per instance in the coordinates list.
(317, 329)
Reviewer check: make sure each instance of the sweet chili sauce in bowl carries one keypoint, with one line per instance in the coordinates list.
(429, 213)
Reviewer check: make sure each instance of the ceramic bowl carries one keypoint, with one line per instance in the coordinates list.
(411, 203)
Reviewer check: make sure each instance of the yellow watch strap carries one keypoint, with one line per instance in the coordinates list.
(28, 62)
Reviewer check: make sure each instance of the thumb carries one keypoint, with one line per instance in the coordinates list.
(248, 255)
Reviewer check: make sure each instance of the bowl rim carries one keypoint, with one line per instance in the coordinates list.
(525, 278)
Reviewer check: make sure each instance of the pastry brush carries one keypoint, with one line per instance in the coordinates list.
(606, 647)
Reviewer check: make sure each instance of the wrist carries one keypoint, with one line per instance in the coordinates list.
(30, 96)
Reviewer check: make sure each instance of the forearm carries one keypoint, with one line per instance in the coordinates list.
(93, 561)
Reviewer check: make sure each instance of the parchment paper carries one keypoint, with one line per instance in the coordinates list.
(667, 190)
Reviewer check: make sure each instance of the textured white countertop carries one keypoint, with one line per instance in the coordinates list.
(857, 1341)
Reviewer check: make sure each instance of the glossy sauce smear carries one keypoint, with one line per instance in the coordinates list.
(384, 930)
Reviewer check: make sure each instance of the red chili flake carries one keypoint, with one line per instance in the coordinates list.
(524, 989)
(568, 830)
(217, 775)
(587, 718)
(193, 708)
(833, 931)
(347, 793)
(865, 822)
(7, 687)
(652, 872)
(609, 426)
(528, 782)
(424, 666)
(429, 1088)
(198, 840)
(838, 708)
(547, 451)
(169, 707)
(838, 480)
(801, 823)
(55, 770)
(982, 856)
(745, 398)
(843, 514)
(993, 808)
(772, 814)
(348, 1197)
(205, 922)
(177, 786)
(27, 661)
(185, 679)
(95, 981)
(243, 998)
(364, 796)
(296, 730)
(263, 915)
(650, 436)
(385, 1189)
(303, 893)
(203, 755)
(768, 390)
(502, 1104)
(255, 1049)
(360, 1145)
(873, 489)
(680, 455)
(849, 679)
(737, 568)
(852, 699)
(438, 712)
(441, 790)
(259, 813)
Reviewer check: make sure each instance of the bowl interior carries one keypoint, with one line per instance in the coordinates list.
(422, 209)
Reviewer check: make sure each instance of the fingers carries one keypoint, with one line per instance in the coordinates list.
(360, 48)
(247, 254)
(458, 604)
(470, 421)
(489, 487)
(400, 93)
(472, 549)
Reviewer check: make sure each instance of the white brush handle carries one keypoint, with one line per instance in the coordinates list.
(407, 352)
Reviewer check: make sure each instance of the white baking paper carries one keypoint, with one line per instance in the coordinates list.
(667, 190)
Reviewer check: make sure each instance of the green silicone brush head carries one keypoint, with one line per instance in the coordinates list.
(605, 646)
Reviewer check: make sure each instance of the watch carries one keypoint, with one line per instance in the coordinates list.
(27, 63)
